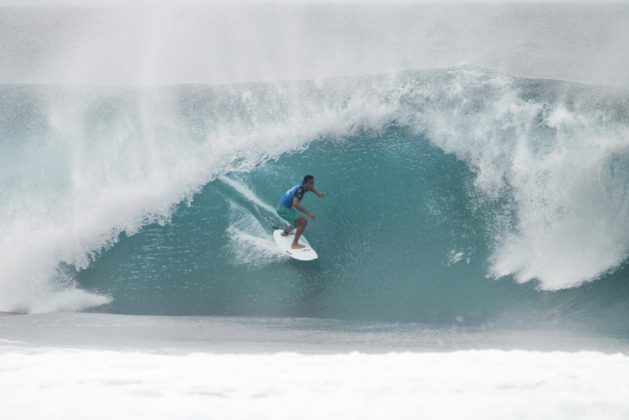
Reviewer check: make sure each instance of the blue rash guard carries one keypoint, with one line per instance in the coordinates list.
(287, 198)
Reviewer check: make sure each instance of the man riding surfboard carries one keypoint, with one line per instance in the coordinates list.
(290, 201)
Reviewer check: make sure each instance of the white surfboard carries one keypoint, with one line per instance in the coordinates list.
(301, 254)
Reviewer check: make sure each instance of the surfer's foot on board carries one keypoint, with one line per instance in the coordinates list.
(286, 232)
(297, 246)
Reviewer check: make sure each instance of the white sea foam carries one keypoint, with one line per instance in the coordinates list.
(562, 162)
(487, 384)
(249, 242)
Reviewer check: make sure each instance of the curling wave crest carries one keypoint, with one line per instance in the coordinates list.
(85, 166)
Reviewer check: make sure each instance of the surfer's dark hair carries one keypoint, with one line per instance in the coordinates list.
(307, 178)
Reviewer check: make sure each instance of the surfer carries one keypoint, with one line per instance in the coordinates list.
(290, 201)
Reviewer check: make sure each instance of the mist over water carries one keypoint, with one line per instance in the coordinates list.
(456, 193)
(162, 43)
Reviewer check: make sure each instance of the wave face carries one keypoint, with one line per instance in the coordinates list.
(454, 195)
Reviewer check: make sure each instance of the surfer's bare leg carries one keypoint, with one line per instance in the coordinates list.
(301, 225)
(288, 230)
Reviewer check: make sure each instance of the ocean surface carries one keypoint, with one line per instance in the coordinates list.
(473, 241)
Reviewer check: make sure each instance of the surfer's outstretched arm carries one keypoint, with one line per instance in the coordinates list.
(299, 207)
(318, 193)
(312, 188)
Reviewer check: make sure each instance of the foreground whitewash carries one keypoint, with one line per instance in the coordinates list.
(488, 384)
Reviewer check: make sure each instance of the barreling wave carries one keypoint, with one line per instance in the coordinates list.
(435, 180)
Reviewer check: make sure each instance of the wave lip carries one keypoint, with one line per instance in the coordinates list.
(557, 154)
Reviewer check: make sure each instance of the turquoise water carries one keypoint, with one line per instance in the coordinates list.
(396, 211)
(402, 236)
